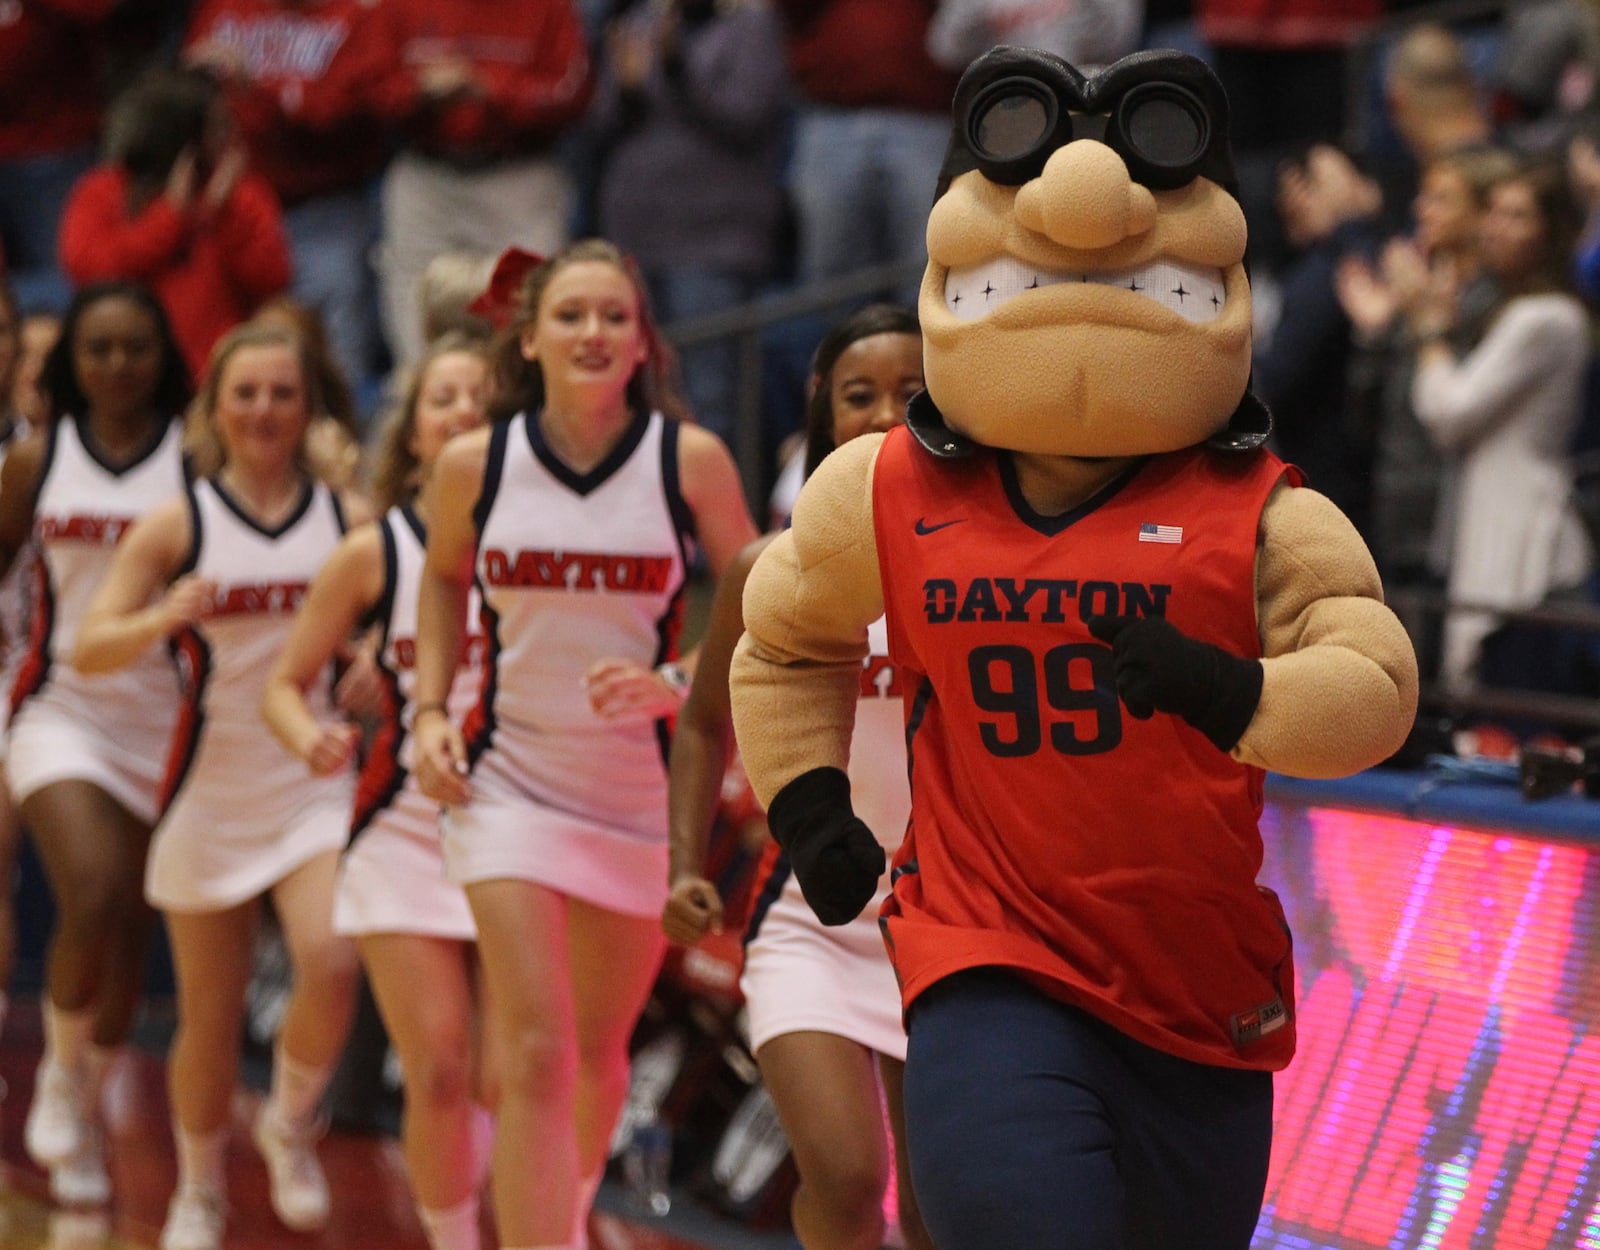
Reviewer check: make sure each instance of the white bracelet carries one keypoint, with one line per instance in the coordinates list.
(676, 677)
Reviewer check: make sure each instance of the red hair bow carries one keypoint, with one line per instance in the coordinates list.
(498, 302)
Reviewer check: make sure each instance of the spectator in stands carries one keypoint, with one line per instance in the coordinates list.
(870, 133)
(177, 209)
(52, 56)
(1506, 411)
(689, 115)
(299, 77)
(480, 91)
(1329, 210)
(1088, 33)
(1408, 472)
(1284, 65)
(1583, 171)
(1435, 104)
(1544, 71)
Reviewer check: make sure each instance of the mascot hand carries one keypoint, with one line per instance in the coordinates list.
(836, 859)
(1159, 668)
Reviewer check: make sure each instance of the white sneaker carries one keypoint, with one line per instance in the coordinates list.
(194, 1221)
(58, 1117)
(299, 1189)
(81, 1179)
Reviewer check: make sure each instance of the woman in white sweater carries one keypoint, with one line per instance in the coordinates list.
(1506, 412)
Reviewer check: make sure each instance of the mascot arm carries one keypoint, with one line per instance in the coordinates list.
(1339, 688)
(796, 678)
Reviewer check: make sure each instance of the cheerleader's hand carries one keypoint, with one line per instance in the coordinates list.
(360, 691)
(441, 757)
(332, 749)
(186, 601)
(624, 690)
(693, 909)
(835, 858)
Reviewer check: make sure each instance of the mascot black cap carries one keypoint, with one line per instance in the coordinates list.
(1163, 114)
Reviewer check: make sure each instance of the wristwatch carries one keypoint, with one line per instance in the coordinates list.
(676, 676)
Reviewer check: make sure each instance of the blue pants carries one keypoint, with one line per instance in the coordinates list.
(1034, 1126)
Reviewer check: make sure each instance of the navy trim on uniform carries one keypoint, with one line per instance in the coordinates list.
(919, 709)
(382, 611)
(148, 449)
(483, 736)
(308, 492)
(770, 891)
(494, 468)
(586, 483)
(1050, 526)
(338, 511)
(192, 559)
(672, 481)
(187, 736)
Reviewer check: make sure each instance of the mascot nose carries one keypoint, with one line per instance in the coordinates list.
(1084, 198)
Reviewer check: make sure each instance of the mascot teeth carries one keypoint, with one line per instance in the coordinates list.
(1194, 292)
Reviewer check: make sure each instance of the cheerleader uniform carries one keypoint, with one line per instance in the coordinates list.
(242, 812)
(393, 877)
(13, 602)
(109, 729)
(799, 975)
(573, 568)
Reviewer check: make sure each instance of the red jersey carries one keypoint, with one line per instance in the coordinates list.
(303, 97)
(1112, 861)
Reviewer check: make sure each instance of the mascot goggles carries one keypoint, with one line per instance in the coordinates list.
(1161, 130)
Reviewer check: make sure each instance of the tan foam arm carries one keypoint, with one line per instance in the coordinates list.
(1340, 686)
(807, 604)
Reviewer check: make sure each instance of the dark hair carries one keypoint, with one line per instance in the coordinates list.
(58, 376)
(862, 324)
(166, 110)
(518, 383)
(1562, 216)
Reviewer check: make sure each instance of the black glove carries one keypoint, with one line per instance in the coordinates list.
(835, 858)
(1159, 668)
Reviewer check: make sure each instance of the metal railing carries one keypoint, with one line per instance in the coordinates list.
(747, 326)
(1575, 712)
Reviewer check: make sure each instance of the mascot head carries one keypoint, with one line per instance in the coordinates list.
(1086, 292)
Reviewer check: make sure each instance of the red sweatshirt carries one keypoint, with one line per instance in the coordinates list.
(50, 55)
(309, 71)
(866, 54)
(210, 269)
(530, 62)
(1285, 23)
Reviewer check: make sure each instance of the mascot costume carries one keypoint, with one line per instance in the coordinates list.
(1114, 609)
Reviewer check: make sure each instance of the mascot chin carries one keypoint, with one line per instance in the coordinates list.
(1114, 609)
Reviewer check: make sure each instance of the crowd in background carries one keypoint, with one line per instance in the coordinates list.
(340, 178)
(343, 157)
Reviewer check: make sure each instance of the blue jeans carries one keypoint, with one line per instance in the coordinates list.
(33, 193)
(862, 183)
(331, 239)
(1034, 1126)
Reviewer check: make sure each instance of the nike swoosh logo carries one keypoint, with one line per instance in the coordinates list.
(922, 527)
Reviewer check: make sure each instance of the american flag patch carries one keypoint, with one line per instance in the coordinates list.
(1160, 533)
